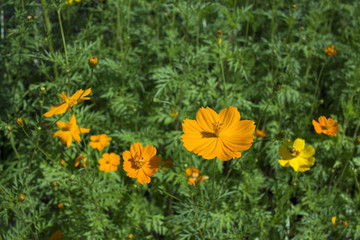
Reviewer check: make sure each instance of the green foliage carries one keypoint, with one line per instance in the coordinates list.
(162, 57)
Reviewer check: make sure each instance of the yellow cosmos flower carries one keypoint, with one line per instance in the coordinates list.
(218, 135)
(333, 220)
(99, 141)
(330, 50)
(68, 102)
(109, 162)
(141, 162)
(69, 131)
(296, 155)
(194, 177)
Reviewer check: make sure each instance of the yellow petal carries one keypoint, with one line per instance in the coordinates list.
(284, 152)
(299, 144)
(57, 109)
(309, 151)
(229, 117)
(284, 163)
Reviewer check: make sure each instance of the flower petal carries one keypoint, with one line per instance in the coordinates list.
(206, 117)
(229, 117)
(299, 144)
(57, 109)
(136, 149)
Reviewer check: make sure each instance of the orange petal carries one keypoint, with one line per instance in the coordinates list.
(148, 152)
(229, 117)
(136, 148)
(57, 109)
(142, 177)
(206, 117)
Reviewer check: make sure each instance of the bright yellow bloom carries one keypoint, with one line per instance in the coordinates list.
(68, 102)
(296, 155)
(330, 50)
(218, 135)
(71, 1)
(194, 177)
(333, 220)
(109, 162)
(99, 141)
(69, 131)
(260, 133)
(141, 162)
(326, 126)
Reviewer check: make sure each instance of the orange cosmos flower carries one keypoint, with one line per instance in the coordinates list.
(330, 50)
(57, 235)
(218, 135)
(260, 133)
(141, 162)
(326, 126)
(68, 102)
(109, 162)
(99, 141)
(194, 177)
(69, 131)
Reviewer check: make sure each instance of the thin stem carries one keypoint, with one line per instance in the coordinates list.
(316, 88)
(66, 56)
(222, 69)
(170, 195)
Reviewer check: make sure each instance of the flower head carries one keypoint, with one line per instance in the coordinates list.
(80, 158)
(333, 220)
(330, 50)
(326, 126)
(69, 131)
(260, 133)
(57, 235)
(109, 162)
(296, 155)
(20, 122)
(194, 177)
(141, 162)
(173, 113)
(68, 102)
(61, 205)
(93, 61)
(99, 141)
(218, 135)
(21, 197)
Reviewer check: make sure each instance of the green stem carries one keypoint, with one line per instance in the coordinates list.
(222, 69)
(170, 195)
(316, 89)
(66, 56)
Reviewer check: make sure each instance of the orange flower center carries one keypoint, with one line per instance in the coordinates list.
(217, 128)
(327, 126)
(139, 161)
(65, 129)
(107, 162)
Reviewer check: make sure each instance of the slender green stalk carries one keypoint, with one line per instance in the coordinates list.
(66, 55)
(222, 68)
(36, 146)
(170, 195)
(316, 89)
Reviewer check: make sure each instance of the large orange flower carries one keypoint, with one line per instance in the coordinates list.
(69, 131)
(99, 141)
(141, 162)
(68, 102)
(218, 135)
(326, 126)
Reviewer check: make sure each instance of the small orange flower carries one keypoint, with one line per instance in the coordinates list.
(194, 177)
(80, 158)
(330, 50)
(333, 220)
(109, 162)
(68, 102)
(260, 133)
(61, 205)
(326, 126)
(141, 162)
(343, 222)
(93, 61)
(99, 141)
(130, 236)
(219, 32)
(221, 135)
(69, 131)
(57, 235)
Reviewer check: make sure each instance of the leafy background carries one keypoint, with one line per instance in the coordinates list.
(158, 57)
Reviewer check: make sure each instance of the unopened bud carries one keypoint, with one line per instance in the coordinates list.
(93, 61)
(10, 128)
(62, 162)
(43, 89)
(21, 197)
(20, 122)
(29, 18)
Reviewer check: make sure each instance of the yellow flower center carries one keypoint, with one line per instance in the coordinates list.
(217, 128)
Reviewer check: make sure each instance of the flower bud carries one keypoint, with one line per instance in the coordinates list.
(61, 205)
(29, 18)
(54, 183)
(357, 141)
(43, 90)
(93, 61)
(219, 32)
(21, 197)
(293, 6)
(20, 122)
(62, 162)
(130, 236)
(10, 128)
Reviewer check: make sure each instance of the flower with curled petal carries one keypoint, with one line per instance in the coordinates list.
(99, 142)
(68, 102)
(221, 135)
(296, 155)
(141, 162)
